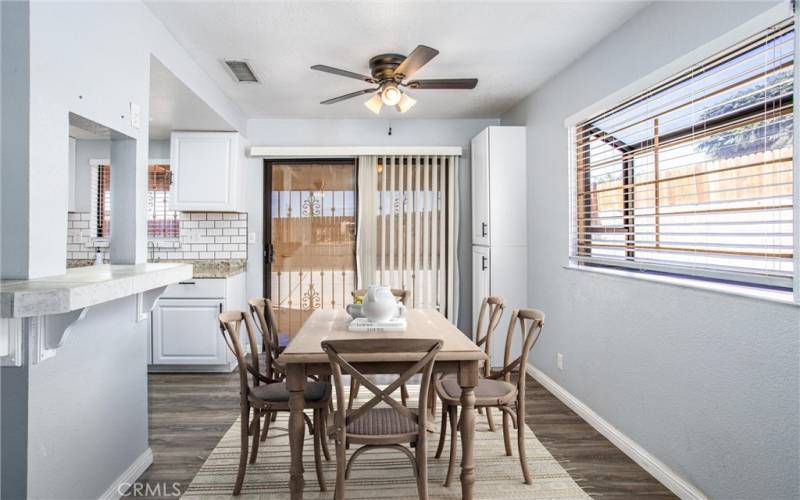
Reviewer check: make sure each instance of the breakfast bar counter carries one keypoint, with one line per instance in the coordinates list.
(73, 350)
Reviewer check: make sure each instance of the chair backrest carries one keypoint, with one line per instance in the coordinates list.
(531, 322)
(264, 319)
(402, 296)
(339, 350)
(230, 324)
(491, 308)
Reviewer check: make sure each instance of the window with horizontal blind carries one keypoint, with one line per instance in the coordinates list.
(161, 221)
(694, 176)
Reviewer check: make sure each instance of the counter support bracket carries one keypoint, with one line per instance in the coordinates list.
(48, 333)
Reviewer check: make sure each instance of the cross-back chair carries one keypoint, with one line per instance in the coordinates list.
(273, 342)
(496, 391)
(266, 395)
(403, 297)
(491, 311)
(374, 427)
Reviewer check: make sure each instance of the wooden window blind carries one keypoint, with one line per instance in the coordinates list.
(694, 176)
(161, 221)
(103, 201)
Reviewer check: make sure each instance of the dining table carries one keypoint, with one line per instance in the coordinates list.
(304, 357)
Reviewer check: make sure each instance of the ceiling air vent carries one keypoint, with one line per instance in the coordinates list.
(241, 70)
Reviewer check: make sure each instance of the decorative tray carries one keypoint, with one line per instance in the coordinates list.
(365, 325)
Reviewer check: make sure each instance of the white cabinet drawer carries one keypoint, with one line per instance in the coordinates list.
(204, 288)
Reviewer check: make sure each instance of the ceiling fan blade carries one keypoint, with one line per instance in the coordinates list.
(348, 96)
(418, 58)
(444, 83)
(343, 72)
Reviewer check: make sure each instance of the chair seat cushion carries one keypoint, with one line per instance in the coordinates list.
(381, 422)
(278, 393)
(283, 341)
(489, 392)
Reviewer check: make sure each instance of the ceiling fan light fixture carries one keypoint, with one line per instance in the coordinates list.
(374, 103)
(390, 94)
(406, 102)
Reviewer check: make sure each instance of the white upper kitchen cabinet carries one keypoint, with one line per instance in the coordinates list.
(499, 187)
(205, 172)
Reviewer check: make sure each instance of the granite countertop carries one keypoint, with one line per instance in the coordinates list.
(84, 287)
(201, 268)
(217, 268)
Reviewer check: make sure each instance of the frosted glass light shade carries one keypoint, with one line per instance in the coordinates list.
(374, 104)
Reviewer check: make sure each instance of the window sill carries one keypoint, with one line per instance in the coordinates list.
(779, 297)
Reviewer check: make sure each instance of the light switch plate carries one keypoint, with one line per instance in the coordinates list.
(251, 237)
(560, 361)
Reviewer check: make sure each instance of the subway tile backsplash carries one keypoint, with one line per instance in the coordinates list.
(203, 236)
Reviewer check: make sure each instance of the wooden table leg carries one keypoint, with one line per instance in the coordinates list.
(468, 380)
(296, 383)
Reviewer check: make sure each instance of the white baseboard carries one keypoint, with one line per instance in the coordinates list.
(130, 475)
(647, 461)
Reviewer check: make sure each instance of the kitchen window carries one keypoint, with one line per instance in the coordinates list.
(693, 177)
(161, 221)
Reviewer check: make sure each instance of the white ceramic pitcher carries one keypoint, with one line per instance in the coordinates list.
(379, 304)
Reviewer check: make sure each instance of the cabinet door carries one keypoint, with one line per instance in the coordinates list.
(480, 281)
(508, 194)
(204, 171)
(480, 188)
(186, 332)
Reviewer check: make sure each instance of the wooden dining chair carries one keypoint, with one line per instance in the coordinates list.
(381, 427)
(266, 395)
(496, 391)
(491, 310)
(273, 342)
(403, 297)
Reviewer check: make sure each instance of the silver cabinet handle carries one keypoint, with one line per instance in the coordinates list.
(187, 282)
(484, 265)
(484, 228)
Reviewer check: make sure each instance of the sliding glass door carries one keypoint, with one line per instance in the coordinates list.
(310, 227)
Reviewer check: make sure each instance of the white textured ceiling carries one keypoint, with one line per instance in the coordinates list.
(173, 106)
(510, 47)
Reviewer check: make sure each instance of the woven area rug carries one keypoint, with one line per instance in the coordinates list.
(384, 474)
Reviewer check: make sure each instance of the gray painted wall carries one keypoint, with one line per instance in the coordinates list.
(60, 83)
(706, 382)
(15, 151)
(89, 405)
(14, 157)
(406, 132)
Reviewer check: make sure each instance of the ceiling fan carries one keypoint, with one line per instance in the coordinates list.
(391, 73)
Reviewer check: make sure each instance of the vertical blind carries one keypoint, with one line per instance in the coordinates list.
(407, 221)
(694, 176)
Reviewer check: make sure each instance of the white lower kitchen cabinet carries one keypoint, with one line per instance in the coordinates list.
(184, 330)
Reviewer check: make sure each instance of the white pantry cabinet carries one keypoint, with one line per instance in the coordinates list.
(184, 331)
(499, 225)
(499, 188)
(206, 172)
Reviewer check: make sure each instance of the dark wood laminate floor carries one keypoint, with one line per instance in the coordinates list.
(189, 413)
